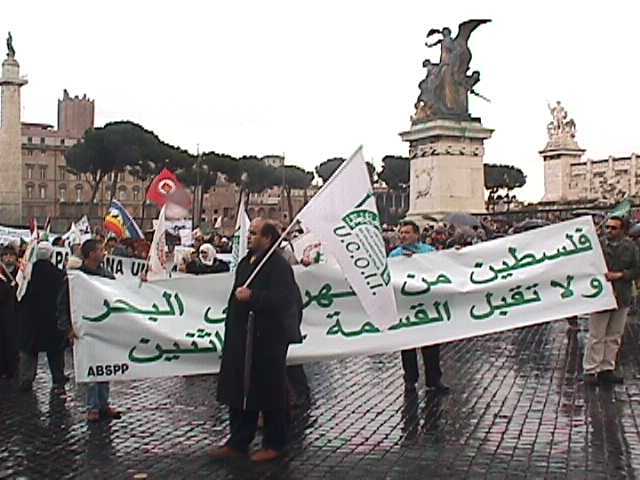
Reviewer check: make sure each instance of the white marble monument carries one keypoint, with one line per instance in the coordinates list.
(447, 173)
(560, 152)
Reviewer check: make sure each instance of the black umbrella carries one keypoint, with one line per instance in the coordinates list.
(461, 219)
(634, 231)
(530, 225)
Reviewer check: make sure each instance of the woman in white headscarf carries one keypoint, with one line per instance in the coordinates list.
(207, 262)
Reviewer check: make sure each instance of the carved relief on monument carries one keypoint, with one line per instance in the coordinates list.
(447, 148)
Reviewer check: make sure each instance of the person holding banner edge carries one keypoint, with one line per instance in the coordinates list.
(273, 298)
(409, 245)
(98, 392)
(606, 327)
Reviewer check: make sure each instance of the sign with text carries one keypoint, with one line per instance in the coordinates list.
(176, 326)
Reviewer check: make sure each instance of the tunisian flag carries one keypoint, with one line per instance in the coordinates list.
(167, 189)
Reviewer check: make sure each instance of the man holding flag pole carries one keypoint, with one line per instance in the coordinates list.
(344, 214)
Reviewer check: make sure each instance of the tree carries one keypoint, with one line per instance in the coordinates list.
(293, 177)
(90, 158)
(395, 172)
(502, 177)
(328, 167)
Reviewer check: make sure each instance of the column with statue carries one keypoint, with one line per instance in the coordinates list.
(446, 144)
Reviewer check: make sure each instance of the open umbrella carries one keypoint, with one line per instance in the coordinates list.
(530, 225)
(461, 219)
(634, 231)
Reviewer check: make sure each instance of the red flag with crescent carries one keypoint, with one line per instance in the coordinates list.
(167, 188)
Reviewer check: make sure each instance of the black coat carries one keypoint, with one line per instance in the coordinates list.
(274, 292)
(8, 325)
(37, 310)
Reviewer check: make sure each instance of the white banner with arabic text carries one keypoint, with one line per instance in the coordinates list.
(176, 326)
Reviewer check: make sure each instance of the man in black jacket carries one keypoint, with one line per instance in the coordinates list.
(274, 298)
(93, 253)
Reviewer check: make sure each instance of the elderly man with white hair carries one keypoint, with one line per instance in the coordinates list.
(38, 322)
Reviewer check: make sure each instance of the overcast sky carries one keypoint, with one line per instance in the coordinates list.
(314, 80)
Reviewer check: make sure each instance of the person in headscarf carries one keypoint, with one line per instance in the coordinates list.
(38, 322)
(207, 262)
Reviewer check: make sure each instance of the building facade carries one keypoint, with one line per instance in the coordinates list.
(35, 181)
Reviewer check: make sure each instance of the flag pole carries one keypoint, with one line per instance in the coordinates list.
(296, 219)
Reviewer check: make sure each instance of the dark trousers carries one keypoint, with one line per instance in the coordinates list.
(29, 365)
(299, 391)
(244, 425)
(431, 358)
(8, 348)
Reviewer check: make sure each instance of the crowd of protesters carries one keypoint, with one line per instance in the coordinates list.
(40, 320)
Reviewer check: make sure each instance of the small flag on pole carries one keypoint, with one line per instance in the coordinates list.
(119, 222)
(240, 233)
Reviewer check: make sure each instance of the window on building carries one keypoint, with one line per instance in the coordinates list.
(136, 194)
(122, 194)
(43, 173)
(29, 192)
(30, 172)
(43, 192)
(41, 140)
(63, 193)
(121, 176)
(29, 139)
(62, 173)
(62, 141)
(78, 193)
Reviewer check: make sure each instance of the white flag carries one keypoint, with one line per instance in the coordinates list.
(344, 215)
(26, 263)
(158, 268)
(72, 237)
(239, 242)
(84, 228)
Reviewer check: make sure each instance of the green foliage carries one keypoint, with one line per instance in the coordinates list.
(395, 172)
(328, 167)
(508, 177)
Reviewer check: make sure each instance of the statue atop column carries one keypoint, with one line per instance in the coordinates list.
(561, 129)
(11, 52)
(445, 88)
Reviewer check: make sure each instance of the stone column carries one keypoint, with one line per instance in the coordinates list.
(557, 171)
(10, 144)
(447, 174)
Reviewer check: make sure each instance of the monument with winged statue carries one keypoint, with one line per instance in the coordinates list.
(446, 143)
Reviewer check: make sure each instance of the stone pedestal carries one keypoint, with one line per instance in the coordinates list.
(558, 155)
(10, 144)
(447, 174)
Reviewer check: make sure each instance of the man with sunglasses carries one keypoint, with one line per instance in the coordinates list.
(606, 328)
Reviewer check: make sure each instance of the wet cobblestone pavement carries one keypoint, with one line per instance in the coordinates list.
(518, 409)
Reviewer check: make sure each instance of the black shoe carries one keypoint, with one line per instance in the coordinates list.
(439, 387)
(609, 377)
(590, 379)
